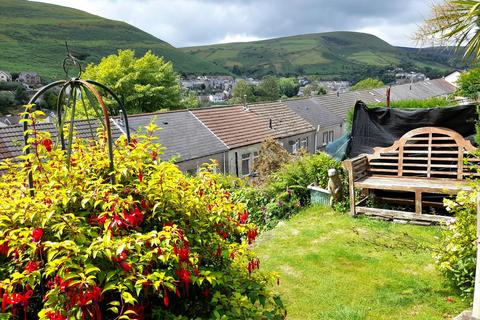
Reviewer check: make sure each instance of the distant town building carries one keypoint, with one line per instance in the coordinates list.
(5, 76)
(452, 78)
(31, 79)
(409, 77)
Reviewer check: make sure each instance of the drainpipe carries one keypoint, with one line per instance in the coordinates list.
(316, 138)
(236, 164)
(224, 162)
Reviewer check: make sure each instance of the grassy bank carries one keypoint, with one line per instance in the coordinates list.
(333, 266)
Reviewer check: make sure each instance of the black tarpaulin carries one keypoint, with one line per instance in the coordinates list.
(380, 127)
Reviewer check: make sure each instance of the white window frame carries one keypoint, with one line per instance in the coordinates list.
(245, 157)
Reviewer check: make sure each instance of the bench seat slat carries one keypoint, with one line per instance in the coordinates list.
(412, 184)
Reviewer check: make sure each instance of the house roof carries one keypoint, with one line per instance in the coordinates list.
(181, 134)
(11, 137)
(235, 126)
(314, 112)
(285, 122)
(340, 104)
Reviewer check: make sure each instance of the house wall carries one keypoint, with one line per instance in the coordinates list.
(193, 165)
(234, 162)
(288, 142)
(338, 131)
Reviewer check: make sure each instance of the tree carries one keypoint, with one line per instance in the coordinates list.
(7, 99)
(269, 89)
(144, 84)
(21, 96)
(288, 87)
(242, 90)
(270, 159)
(310, 89)
(321, 91)
(454, 22)
(469, 84)
(368, 83)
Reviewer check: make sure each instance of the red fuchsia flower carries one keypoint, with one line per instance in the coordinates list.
(122, 256)
(252, 235)
(232, 255)
(18, 298)
(201, 192)
(37, 234)
(165, 297)
(97, 220)
(140, 176)
(154, 155)
(183, 253)
(184, 275)
(144, 205)
(55, 315)
(219, 251)
(31, 266)
(4, 248)
(126, 267)
(253, 264)
(242, 217)
(47, 143)
(223, 234)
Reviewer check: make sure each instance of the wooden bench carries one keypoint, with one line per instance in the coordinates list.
(426, 160)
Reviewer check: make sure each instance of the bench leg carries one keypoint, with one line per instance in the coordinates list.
(418, 202)
(352, 200)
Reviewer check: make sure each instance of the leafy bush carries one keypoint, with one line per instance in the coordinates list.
(286, 192)
(456, 253)
(298, 174)
(368, 83)
(156, 244)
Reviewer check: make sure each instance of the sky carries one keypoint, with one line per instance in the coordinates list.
(199, 22)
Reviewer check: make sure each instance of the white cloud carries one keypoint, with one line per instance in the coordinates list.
(197, 22)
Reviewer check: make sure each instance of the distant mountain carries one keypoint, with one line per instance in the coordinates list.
(32, 37)
(342, 55)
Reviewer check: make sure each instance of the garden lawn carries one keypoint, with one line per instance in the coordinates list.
(333, 266)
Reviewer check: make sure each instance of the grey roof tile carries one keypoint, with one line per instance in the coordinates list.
(181, 134)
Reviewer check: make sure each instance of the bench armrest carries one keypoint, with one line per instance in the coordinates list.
(357, 167)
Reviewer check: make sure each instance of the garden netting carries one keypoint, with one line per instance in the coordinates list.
(380, 127)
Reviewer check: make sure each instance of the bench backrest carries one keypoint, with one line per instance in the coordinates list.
(428, 152)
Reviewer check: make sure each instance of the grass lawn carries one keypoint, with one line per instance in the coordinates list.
(333, 266)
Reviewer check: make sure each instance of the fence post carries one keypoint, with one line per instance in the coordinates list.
(476, 292)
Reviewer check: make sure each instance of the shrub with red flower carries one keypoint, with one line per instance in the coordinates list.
(155, 245)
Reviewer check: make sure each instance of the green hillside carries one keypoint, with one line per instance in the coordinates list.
(331, 55)
(32, 37)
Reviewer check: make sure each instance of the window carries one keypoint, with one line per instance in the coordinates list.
(296, 146)
(327, 137)
(245, 164)
(304, 143)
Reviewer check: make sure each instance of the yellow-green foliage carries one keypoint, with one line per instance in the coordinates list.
(456, 253)
(156, 243)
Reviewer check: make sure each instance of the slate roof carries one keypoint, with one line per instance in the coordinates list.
(235, 126)
(11, 137)
(181, 133)
(285, 122)
(314, 112)
(340, 104)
